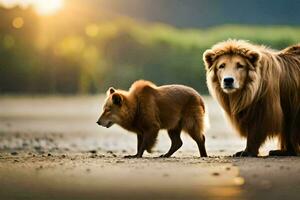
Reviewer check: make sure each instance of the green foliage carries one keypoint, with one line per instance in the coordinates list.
(90, 57)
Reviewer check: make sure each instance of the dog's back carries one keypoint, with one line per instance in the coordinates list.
(169, 105)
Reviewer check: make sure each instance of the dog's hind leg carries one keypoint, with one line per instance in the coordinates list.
(176, 142)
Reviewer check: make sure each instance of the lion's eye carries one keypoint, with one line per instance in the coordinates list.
(240, 66)
(222, 66)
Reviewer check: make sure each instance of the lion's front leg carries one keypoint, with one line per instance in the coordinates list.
(254, 141)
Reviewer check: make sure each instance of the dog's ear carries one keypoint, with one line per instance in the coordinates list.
(209, 58)
(117, 99)
(110, 91)
(253, 57)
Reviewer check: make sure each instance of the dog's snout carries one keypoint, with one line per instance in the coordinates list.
(98, 122)
(228, 81)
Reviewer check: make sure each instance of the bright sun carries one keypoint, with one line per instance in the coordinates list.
(47, 7)
(42, 7)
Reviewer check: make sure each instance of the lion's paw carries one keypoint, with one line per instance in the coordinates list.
(244, 154)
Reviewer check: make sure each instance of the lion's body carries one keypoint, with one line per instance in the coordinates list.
(269, 103)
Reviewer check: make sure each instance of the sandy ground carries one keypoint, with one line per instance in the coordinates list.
(51, 148)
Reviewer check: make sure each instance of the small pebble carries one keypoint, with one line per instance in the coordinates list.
(14, 153)
(112, 153)
(93, 151)
(216, 174)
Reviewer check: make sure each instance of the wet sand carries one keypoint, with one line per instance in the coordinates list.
(51, 148)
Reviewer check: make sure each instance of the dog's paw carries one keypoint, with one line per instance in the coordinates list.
(164, 156)
(131, 156)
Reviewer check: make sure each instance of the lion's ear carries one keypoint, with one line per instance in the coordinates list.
(208, 58)
(253, 57)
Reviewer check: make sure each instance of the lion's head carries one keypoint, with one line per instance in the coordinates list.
(233, 70)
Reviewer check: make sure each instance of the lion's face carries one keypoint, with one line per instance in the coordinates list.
(231, 67)
(231, 71)
(234, 73)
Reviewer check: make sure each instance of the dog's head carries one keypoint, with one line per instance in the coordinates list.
(112, 109)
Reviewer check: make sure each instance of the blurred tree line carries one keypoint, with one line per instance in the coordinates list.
(80, 55)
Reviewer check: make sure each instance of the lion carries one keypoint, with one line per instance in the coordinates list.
(259, 90)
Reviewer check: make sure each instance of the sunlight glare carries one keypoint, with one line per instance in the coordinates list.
(42, 7)
(18, 22)
(48, 7)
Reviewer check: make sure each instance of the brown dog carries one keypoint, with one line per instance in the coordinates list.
(259, 89)
(146, 108)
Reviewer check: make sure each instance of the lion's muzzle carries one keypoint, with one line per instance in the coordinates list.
(228, 82)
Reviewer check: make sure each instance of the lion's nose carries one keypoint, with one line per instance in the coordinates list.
(228, 81)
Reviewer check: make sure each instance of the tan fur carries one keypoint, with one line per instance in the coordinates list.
(147, 108)
(268, 103)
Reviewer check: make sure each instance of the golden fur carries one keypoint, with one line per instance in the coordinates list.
(147, 108)
(268, 103)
